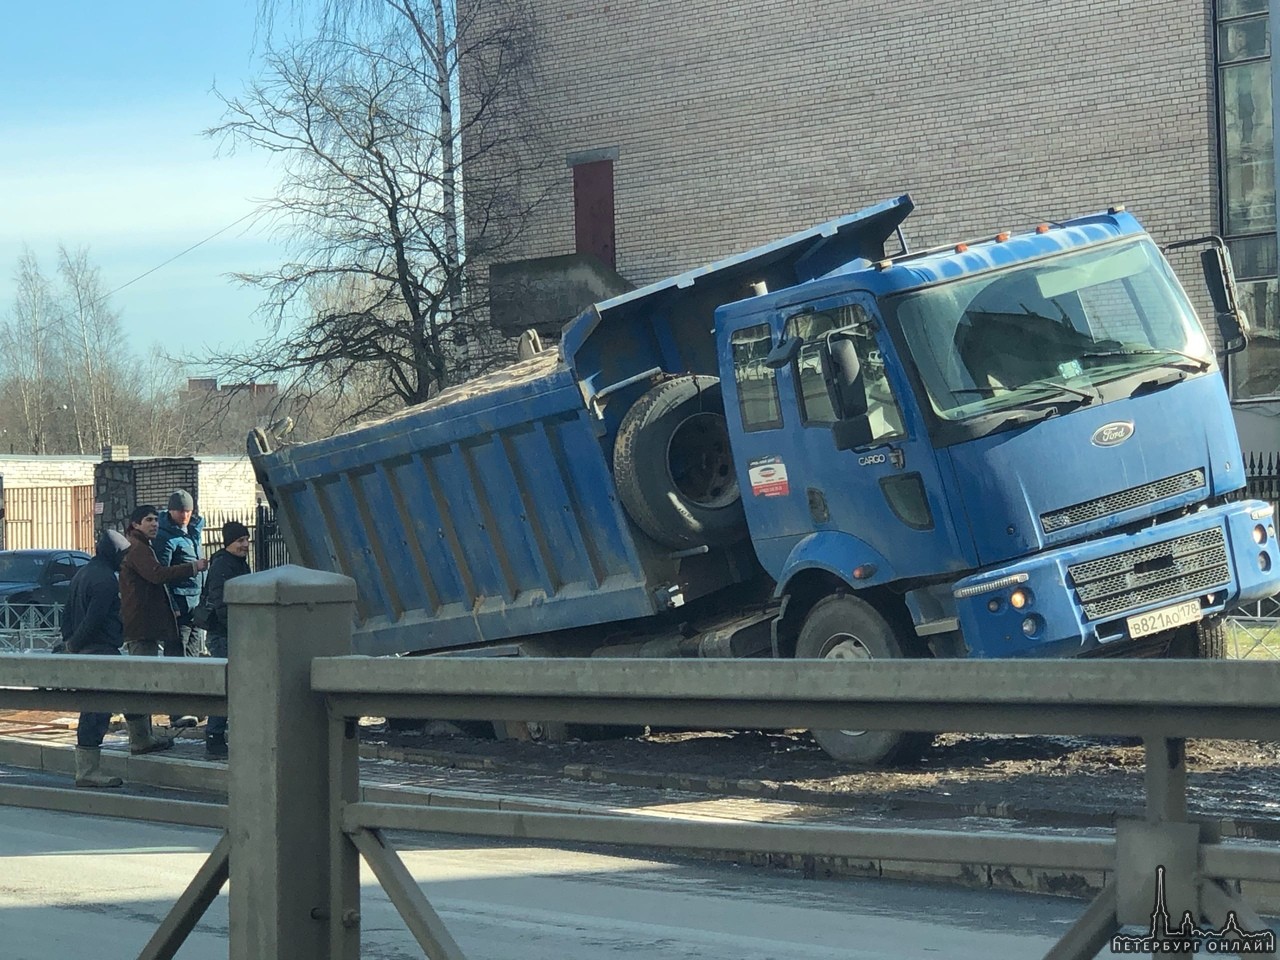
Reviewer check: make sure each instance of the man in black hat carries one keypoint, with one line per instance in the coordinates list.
(227, 564)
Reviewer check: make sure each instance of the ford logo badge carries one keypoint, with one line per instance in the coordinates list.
(1111, 434)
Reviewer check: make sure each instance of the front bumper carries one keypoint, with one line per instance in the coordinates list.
(1080, 597)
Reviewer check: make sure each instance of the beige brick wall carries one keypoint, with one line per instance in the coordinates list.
(227, 486)
(737, 122)
(226, 483)
(47, 471)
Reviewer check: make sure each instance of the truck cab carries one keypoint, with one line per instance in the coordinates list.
(1023, 444)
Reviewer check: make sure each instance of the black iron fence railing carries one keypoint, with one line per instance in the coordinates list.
(268, 541)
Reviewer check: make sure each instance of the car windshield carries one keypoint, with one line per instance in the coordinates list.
(1059, 326)
(16, 569)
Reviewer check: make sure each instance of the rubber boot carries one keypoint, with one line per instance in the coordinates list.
(88, 772)
(215, 746)
(141, 739)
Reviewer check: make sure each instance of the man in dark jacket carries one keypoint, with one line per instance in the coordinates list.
(149, 622)
(227, 564)
(178, 542)
(91, 626)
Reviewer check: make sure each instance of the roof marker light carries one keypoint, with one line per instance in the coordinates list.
(1042, 228)
(1002, 236)
(1118, 208)
(961, 247)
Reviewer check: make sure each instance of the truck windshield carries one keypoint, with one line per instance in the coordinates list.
(1057, 326)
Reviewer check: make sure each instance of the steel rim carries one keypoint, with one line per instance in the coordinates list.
(700, 461)
(845, 646)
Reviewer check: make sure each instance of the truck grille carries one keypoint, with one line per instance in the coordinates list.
(1114, 503)
(1113, 585)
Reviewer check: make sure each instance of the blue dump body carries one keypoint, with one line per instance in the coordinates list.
(483, 514)
(1093, 473)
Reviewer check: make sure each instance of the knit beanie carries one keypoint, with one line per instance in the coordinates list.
(233, 530)
(181, 500)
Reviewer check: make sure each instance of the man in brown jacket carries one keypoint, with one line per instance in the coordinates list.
(145, 609)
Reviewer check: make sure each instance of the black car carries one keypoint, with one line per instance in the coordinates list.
(38, 576)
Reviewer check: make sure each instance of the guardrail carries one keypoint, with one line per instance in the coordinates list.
(294, 792)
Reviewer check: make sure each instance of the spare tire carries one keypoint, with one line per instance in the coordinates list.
(674, 467)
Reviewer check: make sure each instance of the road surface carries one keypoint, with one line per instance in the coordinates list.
(74, 886)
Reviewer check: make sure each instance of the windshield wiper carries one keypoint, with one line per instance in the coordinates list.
(1023, 417)
(1201, 363)
(991, 391)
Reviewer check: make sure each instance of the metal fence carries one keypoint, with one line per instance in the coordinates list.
(29, 627)
(1254, 630)
(294, 795)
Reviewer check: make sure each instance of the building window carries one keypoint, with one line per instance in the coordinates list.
(1248, 187)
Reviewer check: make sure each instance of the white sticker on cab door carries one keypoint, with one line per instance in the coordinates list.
(768, 477)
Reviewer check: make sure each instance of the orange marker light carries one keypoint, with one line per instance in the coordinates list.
(1042, 228)
(961, 247)
(1002, 236)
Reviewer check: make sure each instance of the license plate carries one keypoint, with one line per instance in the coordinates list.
(1166, 618)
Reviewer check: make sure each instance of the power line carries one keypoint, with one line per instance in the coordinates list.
(177, 256)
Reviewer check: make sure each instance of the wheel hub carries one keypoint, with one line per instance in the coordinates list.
(845, 646)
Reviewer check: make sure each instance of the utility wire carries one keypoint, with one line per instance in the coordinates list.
(176, 256)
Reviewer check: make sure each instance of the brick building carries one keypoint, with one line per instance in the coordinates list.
(682, 133)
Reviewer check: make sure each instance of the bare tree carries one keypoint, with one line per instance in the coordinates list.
(27, 345)
(95, 372)
(68, 381)
(376, 155)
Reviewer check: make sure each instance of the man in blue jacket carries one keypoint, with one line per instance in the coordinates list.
(178, 542)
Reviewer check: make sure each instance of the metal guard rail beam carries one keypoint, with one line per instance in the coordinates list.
(113, 684)
(1231, 700)
(1235, 860)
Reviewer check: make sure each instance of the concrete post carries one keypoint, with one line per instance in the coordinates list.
(279, 795)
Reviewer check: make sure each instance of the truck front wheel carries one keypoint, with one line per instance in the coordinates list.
(847, 628)
(1205, 640)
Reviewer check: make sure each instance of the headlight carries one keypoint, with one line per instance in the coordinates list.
(1020, 598)
(1259, 534)
(1264, 561)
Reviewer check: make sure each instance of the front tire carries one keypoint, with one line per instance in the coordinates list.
(847, 628)
(1205, 640)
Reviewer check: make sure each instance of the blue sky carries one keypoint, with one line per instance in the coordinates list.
(101, 111)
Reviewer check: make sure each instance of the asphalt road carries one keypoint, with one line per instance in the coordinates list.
(74, 887)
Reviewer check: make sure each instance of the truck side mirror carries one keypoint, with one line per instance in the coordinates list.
(848, 393)
(1233, 325)
(850, 434)
(788, 349)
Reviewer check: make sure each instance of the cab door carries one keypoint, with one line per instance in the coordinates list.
(795, 481)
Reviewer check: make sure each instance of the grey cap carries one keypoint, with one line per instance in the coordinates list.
(181, 500)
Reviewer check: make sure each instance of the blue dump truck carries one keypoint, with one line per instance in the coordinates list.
(1018, 446)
